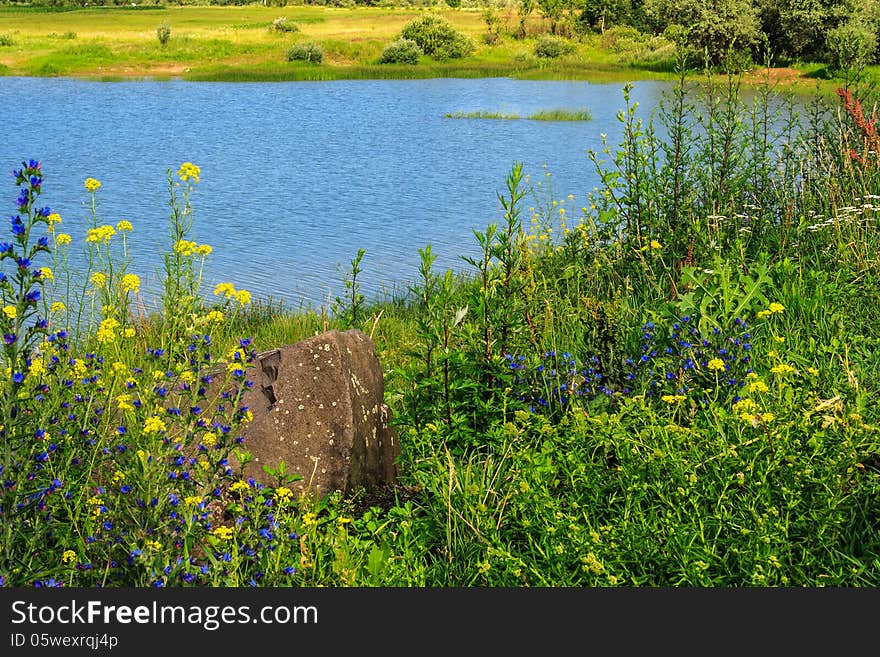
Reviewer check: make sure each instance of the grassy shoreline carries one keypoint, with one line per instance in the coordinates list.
(237, 44)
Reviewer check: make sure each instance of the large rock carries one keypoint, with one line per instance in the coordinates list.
(318, 406)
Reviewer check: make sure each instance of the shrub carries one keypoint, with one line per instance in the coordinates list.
(401, 51)
(163, 32)
(437, 38)
(306, 52)
(281, 24)
(552, 47)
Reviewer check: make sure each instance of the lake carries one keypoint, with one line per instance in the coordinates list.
(297, 176)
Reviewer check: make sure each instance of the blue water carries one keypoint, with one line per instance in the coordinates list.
(297, 176)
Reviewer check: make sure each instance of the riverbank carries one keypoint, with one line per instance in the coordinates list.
(243, 44)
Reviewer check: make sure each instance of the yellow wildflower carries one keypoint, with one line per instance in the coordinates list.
(154, 424)
(239, 487)
(309, 519)
(185, 247)
(46, 274)
(98, 279)
(209, 439)
(716, 364)
(100, 234)
(776, 307)
(68, 556)
(243, 297)
(92, 185)
(656, 245)
(758, 386)
(62, 238)
(223, 533)
(204, 249)
(10, 311)
(188, 171)
(128, 332)
(224, 288)
(283, 495)
(107, 330)
(53, 218)
(214, 316)
(37, 367)
(58, 307)
(124, 226)
(130, 283)
(153, 545)
(117, 477)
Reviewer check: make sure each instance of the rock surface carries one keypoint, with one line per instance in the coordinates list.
(318, 406)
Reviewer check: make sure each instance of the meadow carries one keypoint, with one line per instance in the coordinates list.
(250, 43)
(672, 385)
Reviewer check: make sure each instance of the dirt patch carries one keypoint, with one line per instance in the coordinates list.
(779, 75)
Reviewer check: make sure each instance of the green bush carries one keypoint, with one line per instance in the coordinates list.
(552, 47)
(306, 52)
(401, 51)
(437, 38)
(163, 32)
(282, 24)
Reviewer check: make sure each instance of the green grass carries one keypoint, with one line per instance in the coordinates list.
(544, 115)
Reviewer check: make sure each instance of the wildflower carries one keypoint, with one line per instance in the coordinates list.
(672, 399)
(130, 283)
(214, 316)
(107, 330)
(154, 424)
(283, 494)
(118, 477)
(209, 440)
(189, 171)
(124, 402)
(62, 238)
(128, 332)
(309, 519)
(204, 249)
(10, 311)
(716, 364)
(53, 218)
(239, 487)
(153, 545)
(92, 185)
(776, 307)
(225, 288)
(758, 386)
(68, 556)
(782, 369)
(656, 245)
(46, 273)
(124, 226)
(100, 234)
(243, 297)
(185, 247)
(98, 279)
(223, 533)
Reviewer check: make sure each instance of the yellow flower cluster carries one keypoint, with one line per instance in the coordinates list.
(68, 556)
(62, 238)
(189, 171)
(58, 307)
(46, 274)
(107, 330)
(98, 279)
(100, 234)
(209, 439)
(782, 369)
(716, 364)
(154, 424)
(214, 316)
(223, 533)
(239, 487)
(130, 283)
(774, 309)
(53, 218)
(188, 248)
(673, 399)
(124, 226)
(228, 289)
(10, 311)
(283, 495)
(92, 185)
